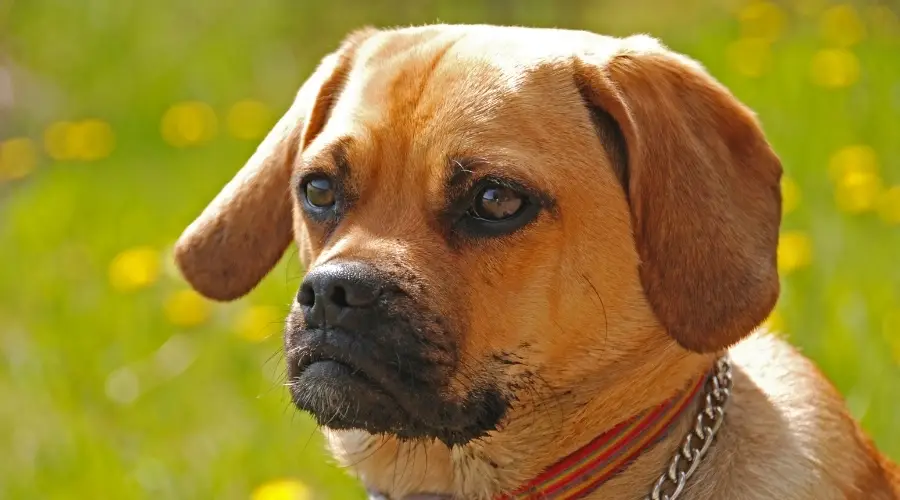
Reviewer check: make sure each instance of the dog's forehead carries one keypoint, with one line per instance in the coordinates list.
(419, 95)
(415, 73)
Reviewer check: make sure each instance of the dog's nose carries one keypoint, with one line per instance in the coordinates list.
(339, 294)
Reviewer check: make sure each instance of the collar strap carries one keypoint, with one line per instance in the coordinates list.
(607, 455)
(587, 469)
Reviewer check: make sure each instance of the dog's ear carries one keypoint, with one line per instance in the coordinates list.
(245, 230)
(704, 189)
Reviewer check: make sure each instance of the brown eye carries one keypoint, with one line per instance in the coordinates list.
(319, 192)
(495, 203)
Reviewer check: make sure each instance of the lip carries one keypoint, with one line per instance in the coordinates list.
(350, 381)
(332, 346)
(337, 366)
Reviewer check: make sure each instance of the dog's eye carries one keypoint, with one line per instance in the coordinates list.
(319, 192)
(495, 208)
(494, 203)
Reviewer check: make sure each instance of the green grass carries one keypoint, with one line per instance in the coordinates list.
(145, 393)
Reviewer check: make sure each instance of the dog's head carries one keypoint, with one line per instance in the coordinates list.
(482, 208)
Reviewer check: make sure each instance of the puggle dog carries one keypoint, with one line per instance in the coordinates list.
(538, 262)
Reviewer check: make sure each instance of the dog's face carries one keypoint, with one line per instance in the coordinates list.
(490, 216)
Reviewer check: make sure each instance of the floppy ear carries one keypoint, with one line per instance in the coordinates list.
(245, 230)
(704, 189)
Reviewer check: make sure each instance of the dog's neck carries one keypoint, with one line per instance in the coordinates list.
(529, 444)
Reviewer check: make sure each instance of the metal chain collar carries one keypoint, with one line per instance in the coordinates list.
(671, 483)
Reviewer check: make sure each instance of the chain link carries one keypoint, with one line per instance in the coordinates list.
(671, 483)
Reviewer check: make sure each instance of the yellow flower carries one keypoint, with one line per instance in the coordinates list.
(750, 57)
(86, 140)
(858, 158)
(134, 269)
(257, 323)
(790, 195)
(889, 205)
(854, 169)
(56, 140)
(18, 158)
(282, 489)
(187, 308)
(248, 120)
(841, 26)
(189, 124)
(91, 140)
(794, 251)
(858, 192)
(760, 19)
(834, 68)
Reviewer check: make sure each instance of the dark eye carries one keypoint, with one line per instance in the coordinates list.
(497, 209)
(319, 192)
(496, 203)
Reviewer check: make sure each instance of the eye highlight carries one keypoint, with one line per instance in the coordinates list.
(494, 203)
(496, 208)
(319, 192)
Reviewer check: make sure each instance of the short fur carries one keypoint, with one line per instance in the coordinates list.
(656, 252)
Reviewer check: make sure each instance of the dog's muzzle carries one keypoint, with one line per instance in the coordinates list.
(363, 354)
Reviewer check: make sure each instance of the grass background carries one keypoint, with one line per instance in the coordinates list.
(120, 119)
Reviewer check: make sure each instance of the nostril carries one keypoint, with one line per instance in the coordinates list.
(338, 296)
(306, 297)
(363, 295)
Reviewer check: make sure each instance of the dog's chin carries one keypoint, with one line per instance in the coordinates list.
(341, 397)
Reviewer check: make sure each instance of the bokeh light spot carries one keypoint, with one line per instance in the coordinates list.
(122, 386)
(187, 308)
(134, 269)
(856, 158)
(92, 140)
(858, 192)
(189, 123)
(249, 120)
(841, 26)
(763, 20)
(889, 205)
(854, 170)
(56, 141)
(18, 158)
(257, 323)
(794, 251)
(834, 68)
(790, 195)
(282, 489)
(87, 140)
(750, 57)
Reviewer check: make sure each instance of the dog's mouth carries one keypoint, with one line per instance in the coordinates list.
(346, 382)
(338, 391)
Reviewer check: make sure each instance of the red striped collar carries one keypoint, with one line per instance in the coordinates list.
(582, 472)
(587, 469)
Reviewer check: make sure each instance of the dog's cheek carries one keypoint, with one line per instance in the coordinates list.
(511, 287)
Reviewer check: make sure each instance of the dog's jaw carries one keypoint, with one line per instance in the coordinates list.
(524, 446)
(391, 374)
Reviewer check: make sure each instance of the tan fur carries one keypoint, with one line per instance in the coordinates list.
(614, 299)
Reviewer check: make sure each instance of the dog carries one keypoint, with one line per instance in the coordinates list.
(538, 265)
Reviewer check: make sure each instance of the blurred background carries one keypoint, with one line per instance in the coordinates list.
(120, 120)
